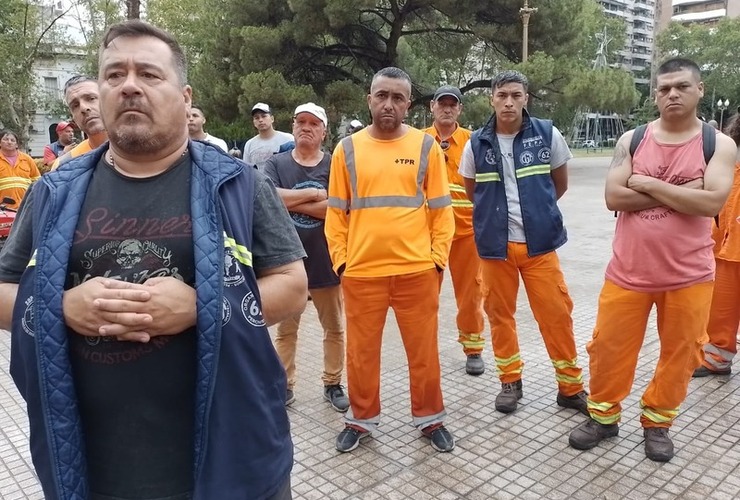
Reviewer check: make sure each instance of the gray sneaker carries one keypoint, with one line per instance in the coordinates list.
(511, 393)
(334, 394)
(289, 397)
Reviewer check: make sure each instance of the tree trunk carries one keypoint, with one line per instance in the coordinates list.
(133, 9)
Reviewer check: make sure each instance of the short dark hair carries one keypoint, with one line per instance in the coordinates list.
(5, 132)
(509, 76)
(75, 80)
(392, 72)
(675, 64)
(194, 106)
(135, 28)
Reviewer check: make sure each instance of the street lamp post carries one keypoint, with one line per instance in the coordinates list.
(722, 105)
(525, 12)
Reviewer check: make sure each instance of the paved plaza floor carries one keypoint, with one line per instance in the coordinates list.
(523, 455)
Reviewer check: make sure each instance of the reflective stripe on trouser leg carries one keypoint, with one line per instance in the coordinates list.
(682, 326)
(366, 302)
(416, 308)
(464, 266)
(500, 287)
(552, 308)
(724, 317)
(328, 303)
(618, 335)
(286, 343)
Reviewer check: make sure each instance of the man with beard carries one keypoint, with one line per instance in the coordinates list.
(83, 100)
(196, 120)
(145, 362)
(389, 227)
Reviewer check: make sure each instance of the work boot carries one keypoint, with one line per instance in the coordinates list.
(703, 371)
(334, 394)
(658, 446)
(578, 401)
(441, 439)
(511, 393)
(474, 365)
(350, 437)
(590, 433)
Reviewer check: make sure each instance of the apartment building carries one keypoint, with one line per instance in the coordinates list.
(638, 17)
(696, 11)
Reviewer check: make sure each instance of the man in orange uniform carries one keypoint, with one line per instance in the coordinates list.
(724, 314)
(389, 227)
(464, 261)
(82, 98)
(666, 196)
(17, 169)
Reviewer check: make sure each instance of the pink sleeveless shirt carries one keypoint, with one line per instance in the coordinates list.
(660, 249)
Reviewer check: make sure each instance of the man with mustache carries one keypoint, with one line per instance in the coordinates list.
(302, 178)
(389, 226)
(83, 100)
(515, 170)
(144, 359)
(464, 264)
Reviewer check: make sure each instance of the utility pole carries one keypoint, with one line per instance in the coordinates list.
(525, 12)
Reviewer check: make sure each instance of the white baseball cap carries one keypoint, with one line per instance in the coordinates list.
(262, 107)
(315, 110)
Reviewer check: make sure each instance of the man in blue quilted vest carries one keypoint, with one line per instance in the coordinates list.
(515, 170)
(138, 283)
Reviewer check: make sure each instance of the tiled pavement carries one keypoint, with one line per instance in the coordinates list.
(521, 455)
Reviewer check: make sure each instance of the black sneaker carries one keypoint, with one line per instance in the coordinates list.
(474, 365)
(658, 446)
(578, 401)
(289, 397)
(334, 394)
(590, 433)
(350, 437)
(511, 392)
(441, 439)
(703, 371)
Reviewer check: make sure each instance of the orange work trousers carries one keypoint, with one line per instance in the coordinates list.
(724, 316)
(551, 306)
(415, 302)
(464, 266)
(617, 339)
(328, 303)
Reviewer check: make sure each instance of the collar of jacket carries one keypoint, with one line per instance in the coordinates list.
(488, 133)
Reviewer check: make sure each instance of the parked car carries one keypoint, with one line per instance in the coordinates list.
(590, 143)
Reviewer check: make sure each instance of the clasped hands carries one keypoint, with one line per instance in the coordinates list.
(130, 311)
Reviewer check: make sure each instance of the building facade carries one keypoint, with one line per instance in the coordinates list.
(696, 11)
(639, 19)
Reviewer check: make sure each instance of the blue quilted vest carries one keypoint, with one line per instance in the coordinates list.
(243, 448)
(543, 222)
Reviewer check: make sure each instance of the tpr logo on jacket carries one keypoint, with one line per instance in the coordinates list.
(543, 222)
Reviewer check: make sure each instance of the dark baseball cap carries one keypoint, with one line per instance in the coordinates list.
(448, 90)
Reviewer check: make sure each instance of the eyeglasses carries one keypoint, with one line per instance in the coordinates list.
(445, 145)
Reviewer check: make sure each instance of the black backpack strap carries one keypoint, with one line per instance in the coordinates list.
(637, 136)
(709, 139)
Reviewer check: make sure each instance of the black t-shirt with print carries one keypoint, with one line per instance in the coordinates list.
(286, 173)
(136, 400)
